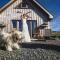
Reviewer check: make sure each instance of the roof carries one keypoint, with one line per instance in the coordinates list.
(50, 15)
(38, 7)
(7, 5)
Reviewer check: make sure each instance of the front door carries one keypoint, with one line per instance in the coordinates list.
(32, 24)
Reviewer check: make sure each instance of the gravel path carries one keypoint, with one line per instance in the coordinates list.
(49, 50)
(30, 54)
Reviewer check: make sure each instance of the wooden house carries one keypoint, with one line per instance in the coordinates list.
(38, 24)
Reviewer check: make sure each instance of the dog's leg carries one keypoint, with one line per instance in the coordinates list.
(9, 44)
(15, 45)
(9, 48)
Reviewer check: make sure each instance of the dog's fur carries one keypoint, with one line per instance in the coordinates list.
(10, 40)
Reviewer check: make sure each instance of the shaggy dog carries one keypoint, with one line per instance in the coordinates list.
(5, 38)
(11, 40)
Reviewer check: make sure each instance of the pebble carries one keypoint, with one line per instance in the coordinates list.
(30, 54)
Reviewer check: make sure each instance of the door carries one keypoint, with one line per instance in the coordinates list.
(32, 24)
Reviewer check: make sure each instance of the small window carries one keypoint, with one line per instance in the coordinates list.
(24, 4)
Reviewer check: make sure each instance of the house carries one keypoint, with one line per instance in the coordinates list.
(39, 21)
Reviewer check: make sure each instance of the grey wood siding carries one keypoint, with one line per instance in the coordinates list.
(11, 13)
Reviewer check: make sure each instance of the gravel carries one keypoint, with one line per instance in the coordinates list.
(32, 51)
(30, 54)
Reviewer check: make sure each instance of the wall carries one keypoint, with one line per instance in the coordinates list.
(10, 14)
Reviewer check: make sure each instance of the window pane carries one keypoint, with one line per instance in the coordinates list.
(24, 3)
(20, 25)
(30, 27)
(34, 25)
(14, 24)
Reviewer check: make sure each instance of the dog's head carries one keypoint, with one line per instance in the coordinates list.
(17, 36)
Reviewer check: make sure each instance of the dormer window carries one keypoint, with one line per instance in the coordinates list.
(24, 4)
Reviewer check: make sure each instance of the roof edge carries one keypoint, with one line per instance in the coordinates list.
(7, 5)
(50, 15)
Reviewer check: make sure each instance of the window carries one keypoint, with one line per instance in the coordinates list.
(14, 23)
(20, 25)
(24, 4)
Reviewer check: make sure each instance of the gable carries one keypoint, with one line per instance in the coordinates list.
(43, 9)
(32, 3)
(5, 4)
(33, 6)
(36, 6)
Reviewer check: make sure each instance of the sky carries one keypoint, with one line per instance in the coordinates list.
(53, 6)
(3, 2)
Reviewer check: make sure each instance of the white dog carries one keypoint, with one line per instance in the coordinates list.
(11, 39)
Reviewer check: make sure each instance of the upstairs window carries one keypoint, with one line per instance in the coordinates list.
(24, 4)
